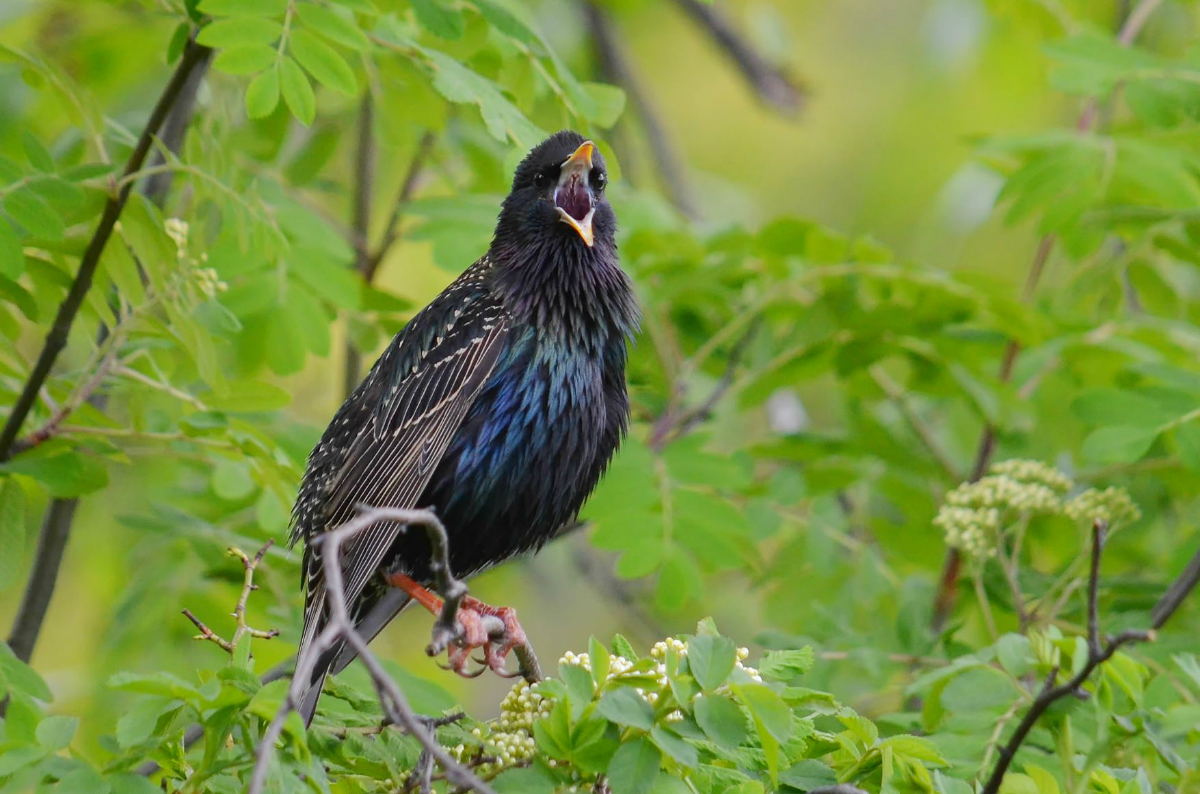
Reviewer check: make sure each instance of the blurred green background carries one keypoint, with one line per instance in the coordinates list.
(896, 95)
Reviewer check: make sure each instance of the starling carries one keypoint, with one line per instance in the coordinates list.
(499, 405)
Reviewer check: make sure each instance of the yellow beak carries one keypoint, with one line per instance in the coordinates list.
(573, 178)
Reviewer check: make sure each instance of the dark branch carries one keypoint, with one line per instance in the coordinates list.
(1098, 653)
(56, 526)
(768, 81)
(56, 339)
(412, 177)
(340, 629)
(615, 68)
(364, 181)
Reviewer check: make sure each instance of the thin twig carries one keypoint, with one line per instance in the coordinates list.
(242, 629)
(412, 178)
(915, 423)
(947, 589)
(1098, 653)
(56, 339)
(675, 421)
(771, 84)
(340, 629)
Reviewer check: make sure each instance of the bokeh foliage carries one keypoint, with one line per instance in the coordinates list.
(805, 396)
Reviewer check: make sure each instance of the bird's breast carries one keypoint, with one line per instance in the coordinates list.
(529, 451)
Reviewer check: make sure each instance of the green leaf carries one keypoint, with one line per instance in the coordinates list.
(243, 8)
(245, 59)
(333, 26)
(31, 211)
(231, 480)
(609, 101)
(440, 18)
(711, 660)
(1108, 407)
(322, 62)
(1187, 442)
(262, 95)
(1118, 444)
(626, 707)
(786, 665)
(63, 472)
(675, 746)
(553, 733)
(12, 254)
(634, 767)
(459, 84)
(721, 720)
(224, 33)
(772, 720)
(21, 677)
(18, 757)
(601, 662)
(297, 92)
(138, 721)
(12, 530)
(623, 647)
(36, 153)
(55, 733)
(160, 683)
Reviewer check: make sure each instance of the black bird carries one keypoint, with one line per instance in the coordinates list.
(499, 405)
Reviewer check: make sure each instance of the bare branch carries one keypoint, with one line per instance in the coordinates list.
(340, 629)
(364, 181)
(416, 167)
(1098, 653)
(242, 629)
(771, 84)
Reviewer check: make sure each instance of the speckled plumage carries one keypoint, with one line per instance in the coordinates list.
(499, 405)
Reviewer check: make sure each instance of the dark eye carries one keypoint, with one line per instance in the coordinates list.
(599, 180)
(541, 179)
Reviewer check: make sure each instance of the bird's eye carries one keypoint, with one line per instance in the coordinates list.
(599, 180)
(541, 179)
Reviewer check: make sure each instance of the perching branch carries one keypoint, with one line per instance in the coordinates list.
(249, 564)
(1098, 653)
(56, 339)
(771, 84)
(340, 629)
(615, 68)
(948, 581)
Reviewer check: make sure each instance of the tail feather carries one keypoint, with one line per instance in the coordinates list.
(334, 660)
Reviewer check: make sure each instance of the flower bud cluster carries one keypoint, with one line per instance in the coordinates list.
(206, 279)
(1113, 506)
(975, 513)
(509, 739)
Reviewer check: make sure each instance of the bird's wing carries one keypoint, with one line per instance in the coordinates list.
(423, 387)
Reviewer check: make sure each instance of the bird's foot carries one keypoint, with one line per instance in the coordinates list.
(494, 630)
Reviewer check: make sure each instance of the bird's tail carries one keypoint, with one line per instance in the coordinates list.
(334, 660)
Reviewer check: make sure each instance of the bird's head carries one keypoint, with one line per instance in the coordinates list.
(558, 196)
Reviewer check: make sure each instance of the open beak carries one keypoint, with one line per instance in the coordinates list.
(573, 196)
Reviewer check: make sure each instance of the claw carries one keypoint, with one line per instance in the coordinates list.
(472, 631)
